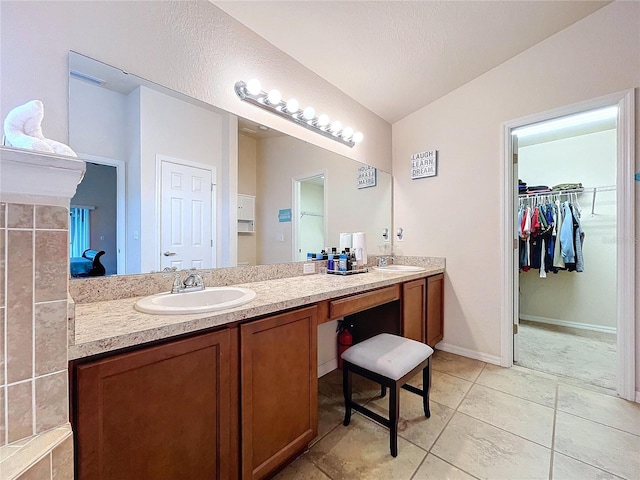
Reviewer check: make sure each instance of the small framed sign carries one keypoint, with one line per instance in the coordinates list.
(367, 176)
(284, 215)
(424, 164)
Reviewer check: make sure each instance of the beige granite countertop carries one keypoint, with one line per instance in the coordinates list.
(105, 326)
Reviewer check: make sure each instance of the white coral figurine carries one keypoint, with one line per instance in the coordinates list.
(23, 129)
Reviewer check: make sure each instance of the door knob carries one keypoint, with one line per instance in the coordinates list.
(169, 254)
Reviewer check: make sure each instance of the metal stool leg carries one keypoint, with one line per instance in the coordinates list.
(426, 388)
(394, 414)
(346, 391)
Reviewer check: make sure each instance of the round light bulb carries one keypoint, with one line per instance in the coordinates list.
(323, 120)
(358, 137)
(254, 87)
(293, 106)
(309, 113)
(336, 125)
(347, 133)
(274, 97)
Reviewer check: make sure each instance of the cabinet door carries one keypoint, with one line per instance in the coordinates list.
(279, 384)
(435, 314)
(156, 413)
(246, 207)
(413, 309)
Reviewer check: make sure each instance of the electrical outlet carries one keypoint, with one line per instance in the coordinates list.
(308, 268)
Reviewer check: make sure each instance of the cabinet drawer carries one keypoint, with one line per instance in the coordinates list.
(363, 301)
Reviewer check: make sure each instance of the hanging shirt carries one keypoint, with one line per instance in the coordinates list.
(566, 235)
(558, 262)
(578, 239)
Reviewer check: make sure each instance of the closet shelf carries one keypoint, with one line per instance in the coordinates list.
(557, 193)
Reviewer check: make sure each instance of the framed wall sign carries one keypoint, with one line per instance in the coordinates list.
(367, 176)
(424, 164)
(284, 215)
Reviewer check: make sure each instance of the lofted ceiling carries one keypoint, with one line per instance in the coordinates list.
(394, 57)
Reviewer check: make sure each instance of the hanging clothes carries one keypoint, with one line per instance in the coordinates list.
(550, 233)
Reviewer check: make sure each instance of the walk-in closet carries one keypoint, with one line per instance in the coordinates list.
(567, 248)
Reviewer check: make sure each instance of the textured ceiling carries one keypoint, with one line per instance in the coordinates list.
(394, 57)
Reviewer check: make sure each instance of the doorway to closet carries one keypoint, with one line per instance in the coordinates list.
(605, 200)
(566, 208)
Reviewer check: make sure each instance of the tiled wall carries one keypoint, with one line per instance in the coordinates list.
(33, 314)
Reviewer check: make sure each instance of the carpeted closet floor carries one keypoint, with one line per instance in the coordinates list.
(569, 352)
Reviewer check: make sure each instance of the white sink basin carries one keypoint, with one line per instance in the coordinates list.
(400, 268)
(208, 300)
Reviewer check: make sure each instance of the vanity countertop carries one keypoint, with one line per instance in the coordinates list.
(110, 325)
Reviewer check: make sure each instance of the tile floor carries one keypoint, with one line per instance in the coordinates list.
(486, 422)
(584, 355)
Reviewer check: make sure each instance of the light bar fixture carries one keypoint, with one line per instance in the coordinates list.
(271, 101)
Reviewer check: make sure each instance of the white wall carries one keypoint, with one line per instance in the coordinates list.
(349, 209)
(190, 47)
(588, 297)
(97, 121)
(458, 214)
(247, 153)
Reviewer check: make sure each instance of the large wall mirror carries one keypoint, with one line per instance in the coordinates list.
(174, 182)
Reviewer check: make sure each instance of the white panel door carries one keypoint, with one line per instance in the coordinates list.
(185, 217)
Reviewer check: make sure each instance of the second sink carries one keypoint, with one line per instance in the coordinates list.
(400, 268)
(208, 300)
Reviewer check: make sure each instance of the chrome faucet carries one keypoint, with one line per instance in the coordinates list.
(192, 282)
(384, 261)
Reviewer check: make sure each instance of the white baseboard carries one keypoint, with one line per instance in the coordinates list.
(327, 367)
(465, 352)
(637, 396)
(564, 323)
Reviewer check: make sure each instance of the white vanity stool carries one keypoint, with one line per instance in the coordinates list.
(391, 361)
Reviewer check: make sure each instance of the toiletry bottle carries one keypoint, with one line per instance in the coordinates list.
(330, 265)
(347, 252)
(342, 266)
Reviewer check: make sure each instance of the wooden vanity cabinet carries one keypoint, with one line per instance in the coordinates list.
(155, 413)
(414, 311)
(422, 312)
(279, 385)
(435, 309)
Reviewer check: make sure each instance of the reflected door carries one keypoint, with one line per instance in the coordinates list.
(185, 225)
(309, 228)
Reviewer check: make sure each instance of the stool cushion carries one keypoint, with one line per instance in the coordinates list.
(388, 355)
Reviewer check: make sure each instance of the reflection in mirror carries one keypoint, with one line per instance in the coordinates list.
(155, 185)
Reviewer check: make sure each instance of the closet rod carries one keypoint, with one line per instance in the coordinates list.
(311, 214)
(594, 190)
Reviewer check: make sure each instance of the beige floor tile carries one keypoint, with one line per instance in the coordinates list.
(330, 385)
(447, 389)
(566, 468)
(413, 425)
(456, 365)
(361, 451)
(521, 382)
(301, 468)
(604, 447)
(611, 411)
(488, 452)
(516, 415)
(330, 414)
(435, 469)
